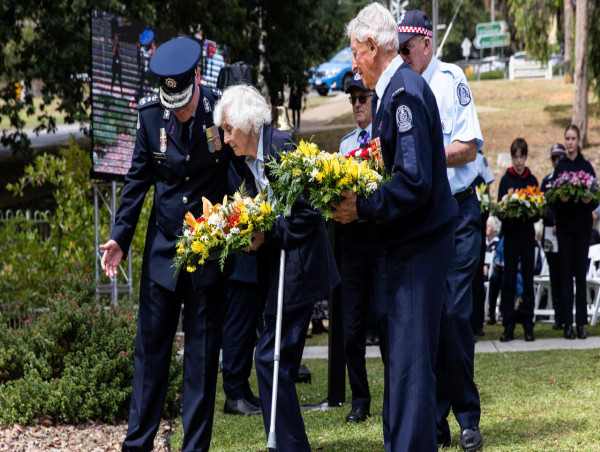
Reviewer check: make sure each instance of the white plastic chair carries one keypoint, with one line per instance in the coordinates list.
(541, 282)
(593, 282)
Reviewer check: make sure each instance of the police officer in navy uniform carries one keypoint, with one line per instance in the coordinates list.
(310, 270)
(179, 151)
(362, 268)
(418, 214)
(462, 138)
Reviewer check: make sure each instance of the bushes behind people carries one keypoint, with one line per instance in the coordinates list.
(73, 363)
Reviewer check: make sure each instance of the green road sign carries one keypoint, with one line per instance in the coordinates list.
(490, 41)
(490, 28)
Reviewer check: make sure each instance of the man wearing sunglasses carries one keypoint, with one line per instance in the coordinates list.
(362, 268)
(462, 138)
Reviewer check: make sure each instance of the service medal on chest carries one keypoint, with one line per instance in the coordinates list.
(163, 140)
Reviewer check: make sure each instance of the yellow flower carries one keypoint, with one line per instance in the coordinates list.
(190, 268)
(265, 208)
(180, 249)
(197, 247)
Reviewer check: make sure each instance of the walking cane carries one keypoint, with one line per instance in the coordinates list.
(272, 439)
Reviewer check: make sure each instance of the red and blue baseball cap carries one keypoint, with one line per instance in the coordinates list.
(413, 23)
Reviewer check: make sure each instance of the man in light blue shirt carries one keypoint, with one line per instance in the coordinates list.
(462, 138)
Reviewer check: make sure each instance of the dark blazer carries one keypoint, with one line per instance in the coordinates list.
(310, 271)
(416, 205)
(181, 176)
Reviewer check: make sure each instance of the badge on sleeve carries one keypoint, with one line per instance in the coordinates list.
(463, 93)
(404, 119)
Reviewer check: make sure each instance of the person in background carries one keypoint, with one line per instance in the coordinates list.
(519, 247)
(493, 272)
(456, 387)
(573, 230)
(484, 178)
(310, 270)
(172, 154)
(419, 213)
(296, 104)
(550, 241)
(362, 268)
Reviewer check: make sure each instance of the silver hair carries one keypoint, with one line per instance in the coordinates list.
(496, 224)
(376, 21)
(244, 107)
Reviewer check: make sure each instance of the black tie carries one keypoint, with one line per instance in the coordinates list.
(361, 137)
(374, 100)
(185, 132)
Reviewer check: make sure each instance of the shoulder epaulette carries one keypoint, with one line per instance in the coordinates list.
(148, 101)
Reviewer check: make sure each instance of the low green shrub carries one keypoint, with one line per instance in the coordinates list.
(75, 362)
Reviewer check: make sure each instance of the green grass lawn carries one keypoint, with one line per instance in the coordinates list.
(534, 401)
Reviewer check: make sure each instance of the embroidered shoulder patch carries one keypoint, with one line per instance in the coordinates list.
(404, 119)
(463, 93)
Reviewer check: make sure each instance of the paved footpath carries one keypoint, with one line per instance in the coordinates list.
(320, 351)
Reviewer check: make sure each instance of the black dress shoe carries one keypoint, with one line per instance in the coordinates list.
(357, 415)
(241, 406)
(529, 337)
(253, 400)
(569, 333)
(507, 336)
(581, 334)
(471, 439)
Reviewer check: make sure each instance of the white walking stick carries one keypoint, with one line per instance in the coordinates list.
(272, 439)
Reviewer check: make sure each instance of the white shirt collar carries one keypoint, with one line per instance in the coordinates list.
(431, 67)
(386, 76)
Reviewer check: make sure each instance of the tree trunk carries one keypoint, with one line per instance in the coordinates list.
(567, 20)
(580, 98)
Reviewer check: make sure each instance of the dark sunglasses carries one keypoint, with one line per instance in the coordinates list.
(361, 99)
(405, 50)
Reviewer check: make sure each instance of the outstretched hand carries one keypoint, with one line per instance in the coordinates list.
(345, 211)
(113, 254)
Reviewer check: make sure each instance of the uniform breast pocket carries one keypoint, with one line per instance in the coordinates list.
(161, 164)
(447, 126)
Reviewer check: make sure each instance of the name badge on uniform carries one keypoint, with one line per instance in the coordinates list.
(213, 139)
(163, 140)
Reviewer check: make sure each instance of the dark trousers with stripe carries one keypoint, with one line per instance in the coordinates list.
(454, 370)
(573, 254)
(157, 322)
(415, 287)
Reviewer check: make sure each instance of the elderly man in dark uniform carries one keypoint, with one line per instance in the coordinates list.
(179, 151)
(418, 212)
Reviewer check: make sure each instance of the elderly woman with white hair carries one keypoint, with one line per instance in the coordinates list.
(310, 271)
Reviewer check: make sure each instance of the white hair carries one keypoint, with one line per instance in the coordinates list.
(244, 107)
(376, 21)
(496, 224)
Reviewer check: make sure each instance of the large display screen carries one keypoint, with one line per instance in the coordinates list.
(121, 51)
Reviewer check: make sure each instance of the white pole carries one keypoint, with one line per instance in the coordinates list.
(272, 439)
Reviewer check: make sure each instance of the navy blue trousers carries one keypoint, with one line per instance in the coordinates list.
(415, 287)
(239, 335)
(454, 370)
(363, 290)
(157, 322)
(289, 426)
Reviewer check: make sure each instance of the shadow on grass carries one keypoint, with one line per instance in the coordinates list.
(561, 113)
